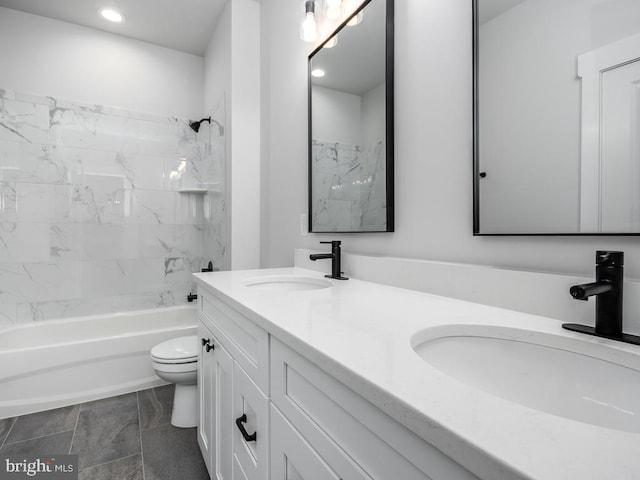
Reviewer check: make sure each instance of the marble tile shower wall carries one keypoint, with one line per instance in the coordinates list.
(91, 217)
(349, 187)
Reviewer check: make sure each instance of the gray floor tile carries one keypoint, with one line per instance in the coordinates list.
(107, 430)
(57, 444)
(44, 423)
(109, 402)
(172, 453)
(129, 468)
(155, 406)
(5, 428)
(108, 440)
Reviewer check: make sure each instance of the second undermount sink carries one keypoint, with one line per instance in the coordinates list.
(563, 376)
(286, 283)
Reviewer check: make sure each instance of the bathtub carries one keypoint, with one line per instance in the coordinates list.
(51, 364)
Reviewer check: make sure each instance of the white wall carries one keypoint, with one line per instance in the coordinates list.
(232, 72)
(350, 119)
(336, 116)
(373, 115)
(49, 57)
(217, 61)
(433, 145)
(245, 134)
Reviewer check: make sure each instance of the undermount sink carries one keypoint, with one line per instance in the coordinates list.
(286, 283)
(579, 380)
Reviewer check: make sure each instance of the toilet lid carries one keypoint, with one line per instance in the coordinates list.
(177, 350)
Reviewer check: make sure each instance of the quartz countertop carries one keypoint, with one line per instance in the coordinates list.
(360, 333)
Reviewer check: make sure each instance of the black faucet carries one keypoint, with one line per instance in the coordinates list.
(335, 259)
(191, 297)
(209, 267)
(608, 291)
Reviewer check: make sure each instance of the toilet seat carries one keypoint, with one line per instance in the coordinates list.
(169, 368)
(181, 350)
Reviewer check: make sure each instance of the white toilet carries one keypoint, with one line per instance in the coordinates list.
(176, 361)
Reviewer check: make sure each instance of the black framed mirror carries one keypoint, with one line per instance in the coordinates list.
(351, 124)
(556, 117)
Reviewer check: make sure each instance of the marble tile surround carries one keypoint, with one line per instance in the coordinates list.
(349, 187)
(91, 215)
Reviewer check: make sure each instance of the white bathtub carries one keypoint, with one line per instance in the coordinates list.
(55, 363)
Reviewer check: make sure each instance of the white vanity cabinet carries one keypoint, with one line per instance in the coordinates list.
(294, 458)
(232, 378)
(308, 425)
(355, 439)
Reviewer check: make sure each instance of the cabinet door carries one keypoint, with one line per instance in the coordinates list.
(215, 384)
(292, 458)
(205, 397)
(247, 343)
(251, 434)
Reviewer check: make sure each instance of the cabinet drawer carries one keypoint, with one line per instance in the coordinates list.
(317, 404)
(292, 458)
(247, 343)
(250, 412)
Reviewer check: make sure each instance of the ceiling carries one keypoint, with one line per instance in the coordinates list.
(184, 25)
(490, 9)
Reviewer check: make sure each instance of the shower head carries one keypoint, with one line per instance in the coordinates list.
(195, 126)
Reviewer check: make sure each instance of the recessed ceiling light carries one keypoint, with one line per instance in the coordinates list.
(317, 72)
(111, 15)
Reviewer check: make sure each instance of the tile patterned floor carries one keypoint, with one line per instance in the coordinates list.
(128, 437)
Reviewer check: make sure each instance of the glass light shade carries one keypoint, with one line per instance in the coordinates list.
(332, 42)
(309, 29)
(334, 9)
(355, 20)
(333, 12)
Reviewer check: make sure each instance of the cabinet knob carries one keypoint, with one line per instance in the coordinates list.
(239, 422)
(206, 343)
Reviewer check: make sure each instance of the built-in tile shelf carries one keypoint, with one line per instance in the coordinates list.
(208, 188)
(193, 190)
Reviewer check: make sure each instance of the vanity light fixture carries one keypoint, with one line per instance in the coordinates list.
(355, 20)
(334, 8)
(315, 11)
(111, 15)
(317, 72)
(332, 42)
(309, 27)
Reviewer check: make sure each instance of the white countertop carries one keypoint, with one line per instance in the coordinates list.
(360, 333)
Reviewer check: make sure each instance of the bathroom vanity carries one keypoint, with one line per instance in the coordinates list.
(302, 377)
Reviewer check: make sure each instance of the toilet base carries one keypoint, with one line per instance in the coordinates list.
(185, 406)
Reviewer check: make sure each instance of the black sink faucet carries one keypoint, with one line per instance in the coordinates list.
(335, 259)
(608, 291)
